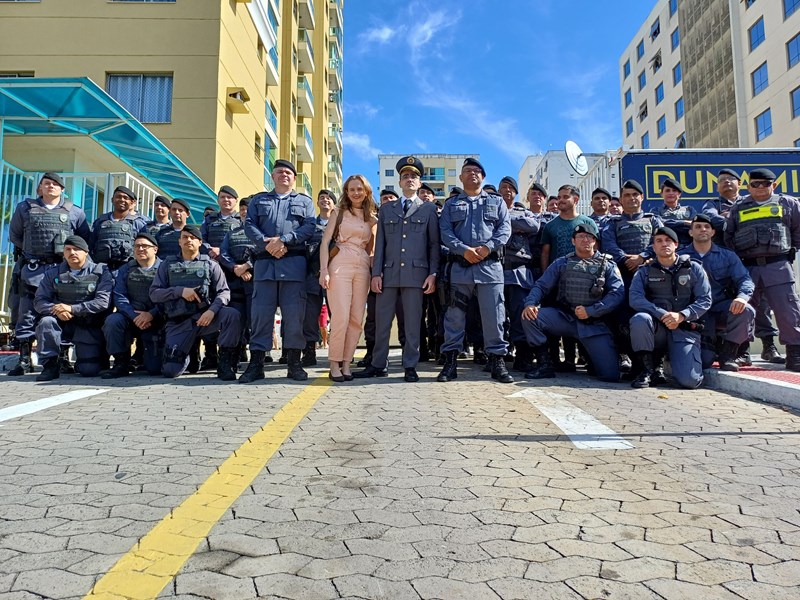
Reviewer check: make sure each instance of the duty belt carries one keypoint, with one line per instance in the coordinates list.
(35, 262)
(492, 257)
(764, 260)
(289, 252)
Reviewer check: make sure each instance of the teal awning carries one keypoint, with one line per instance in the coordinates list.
(78, 106)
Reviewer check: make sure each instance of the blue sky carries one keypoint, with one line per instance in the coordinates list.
(501, 78)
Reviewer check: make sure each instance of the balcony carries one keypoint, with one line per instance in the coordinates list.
(305, 99)
(335, 10)
(335, 138)
(303, 184)
(305, 145)
(273, 77)
(334, 167)
(335, 107)
(272, 124)
(335, 33)
(305, 52)
(335, 74)
(305, 16)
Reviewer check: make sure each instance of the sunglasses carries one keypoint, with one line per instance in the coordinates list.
(760, 183)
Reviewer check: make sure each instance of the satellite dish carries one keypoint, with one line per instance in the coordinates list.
(576, 158)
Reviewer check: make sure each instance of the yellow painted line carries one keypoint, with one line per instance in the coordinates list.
(156, 559)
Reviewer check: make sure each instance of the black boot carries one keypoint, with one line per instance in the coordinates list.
(121, 368)
(545, 368)
(659, 377)
(479, 355)
(769, 352)
(64, 364)
(242, 354)
(499, 370)
(50, 371)
(309, 355)
(284, 358)
(194, 358)
(449, 371)
(268, 357)
(295, 369)
(646, 373)
(24, 365)
(523, 360)
(255, 370)
(793, 357)
(367, 360)
(211, 358)
(227, 358)
(744, 359)
(727, 356)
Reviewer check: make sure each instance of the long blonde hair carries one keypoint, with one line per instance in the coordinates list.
(369, 206)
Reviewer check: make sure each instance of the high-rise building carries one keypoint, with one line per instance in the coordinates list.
(713, 74)
(441, 172)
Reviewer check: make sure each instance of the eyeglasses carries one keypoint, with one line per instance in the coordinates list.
(143, 246)
(760, 183)
(473, 171)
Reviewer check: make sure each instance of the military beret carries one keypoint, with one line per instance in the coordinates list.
(489, 188)
(54, 177)
(475, 163)
(164, 200)
(510, 181)
(539, 188)
(192, 230)
(125, 190)
(632, 184)
(425, 186)
(456, 191)
(702, 218)
(389, 192)
(285, 164)
(245, 201)
(671, 183)
(183, 203)
(228, 190)
(77, 241)
(667, 232)
(590, 228)
(326, 192)
(601, 190)
(146, 236)
(730, 172)
(762, 174)
(410, 162)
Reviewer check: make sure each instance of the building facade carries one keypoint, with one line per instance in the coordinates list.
(441, 172)
(713, 74)
(552, 170)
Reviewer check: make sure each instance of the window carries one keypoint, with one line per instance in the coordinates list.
(661, 125)
(388, 173)
(629, 126)
(643, 111)
(147, 97)
(677, 74)
(258, 147)
(680, 142)
(640, 50)
(390, 188)
(628, 97)
(626, 69)
(673, 7)
(756, 34)
(642, 80)
(795, 103)
(749, 3)
(451, 172)
(675, 38)
(764, 125)
(679, 109)
(797, 143)
(655, 29)
(793, 50)
(760, 79)
(656, 62)
(789, 6)
(646, 141)
(659, 93)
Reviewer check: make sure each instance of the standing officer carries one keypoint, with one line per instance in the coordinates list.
(728, 182)
(280, 223)
(112, 236)
(764, 230)
(426, 193)
(169, 237)
(589, 287)
(193, 295)
(39, 228)
(73, 298)
(161, 206)
(136, 317)
(731, 289)
(669, 296)
(404, 267)
(601, 203)
(475, 226)
(676, 217)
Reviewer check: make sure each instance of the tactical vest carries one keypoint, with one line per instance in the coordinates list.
(239, 244)
(71, 289)
(114, 240)
(580, 277)
(670, 289)
(518, 248)
(761, 231)
(196, 275)
(218, 227)
(139, 282)
(168, 245)
(154, 228)
(47, 230)
(633, 237)
(679, 213)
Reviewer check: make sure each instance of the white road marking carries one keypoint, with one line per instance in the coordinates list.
(585, 432)
(20, 410)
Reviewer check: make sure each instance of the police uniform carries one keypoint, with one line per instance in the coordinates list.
(216, 226)
(237, 249)
(718, 210)
(629, 234)
(168, 238)
(676, 219)
(111, 240)
(315, 295)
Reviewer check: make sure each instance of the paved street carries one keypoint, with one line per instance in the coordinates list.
(393, 490)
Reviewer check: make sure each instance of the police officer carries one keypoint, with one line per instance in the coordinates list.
(537, 197)
(731, 289)
(431, 306)
(601, 204)
(161, 205)
(475, 226)
(669, 297)
(589, 287)
(676, 217)
(137, 316)
(728, 182)
(426, 193)
(764, 230)
(73, 299)
(169, 237)
(113, 232)
(39, 228)
(193, 295)
(405, 266)
(280, 223)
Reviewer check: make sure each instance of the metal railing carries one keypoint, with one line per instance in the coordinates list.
(304, 85)
(305, 37)
(304, 183)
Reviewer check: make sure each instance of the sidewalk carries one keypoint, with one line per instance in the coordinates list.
(763, 381)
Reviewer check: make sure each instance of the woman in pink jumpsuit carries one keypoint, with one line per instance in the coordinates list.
(347, 276)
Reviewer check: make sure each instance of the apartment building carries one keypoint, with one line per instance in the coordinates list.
(441, 172)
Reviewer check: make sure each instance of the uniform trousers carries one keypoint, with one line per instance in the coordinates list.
(267, 296)
(775, 282)
(120, 332)
(181, 335)
(347, 297)
(719, 322)
(515, 302)
(649, 334)
(90, 354)
(492, 315)
(409, 300)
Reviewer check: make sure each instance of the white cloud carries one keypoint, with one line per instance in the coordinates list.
(587, 110)
(360, 144)
(364, 109)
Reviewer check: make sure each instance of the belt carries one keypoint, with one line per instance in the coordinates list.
(764, 260)
(289, 252)
(50, 260)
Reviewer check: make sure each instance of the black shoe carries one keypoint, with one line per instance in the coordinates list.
(462, 354)
(523, 359)
(625, 363)
(268, 357)
(121, 368)
(309, 355)
(370, 371)
(227, 360)
(411, 375)
(479, 357)
(793, 358)
(194, 360)
(366, 361)
(499, 370)
(294, 369)
(770, 352)
(210, 360)
(64, 364)
(51, 370)
(643, 379)
(449, 371)
(284, 359)
(255, 369)
(727, 357)
(24, 364)
(336, 378)
(545, 369)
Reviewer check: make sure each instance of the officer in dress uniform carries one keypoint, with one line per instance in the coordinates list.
(475, 227)
(764, 230)
(136, 317)
(589, 287)
(669, 297)
(280, 223)
(193, 295)
(161, 205)
(405, 266)
(676, 217)
(73, 298)
(169, 237)
(731, 318)
(113, 232)
(39, 228)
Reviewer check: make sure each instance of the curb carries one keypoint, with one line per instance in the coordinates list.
(755, 388)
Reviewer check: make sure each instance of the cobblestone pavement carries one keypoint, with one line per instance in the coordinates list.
(394, 490)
